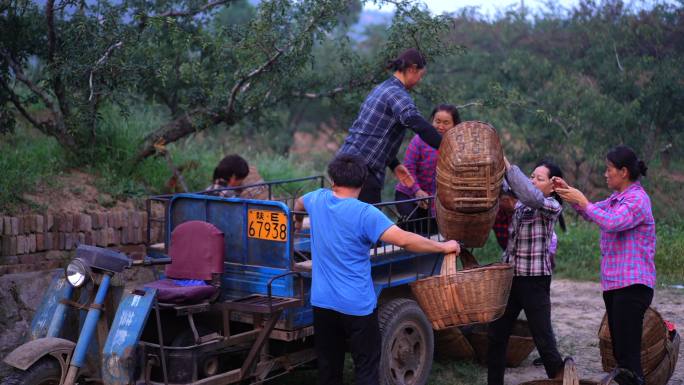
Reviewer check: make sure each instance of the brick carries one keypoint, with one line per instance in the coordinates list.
(86, 223)
(76, 218)
(110, 236)
(61, 239)
(69, 219)
(100, 237)
(7, 230)
(135, 219)
(14, 225)
(143, 219)
(40, 224)
(29, 259)
(60, 223)
(20, 225)
(9, 260)
(49, 222)
(68, 241)
(101, 220)
(31, 227)
(10, 245)
(89, 240)
(49, 241)
(22, 244)
(40, 241)
(2, 225)
(80, 239)
(31, 243)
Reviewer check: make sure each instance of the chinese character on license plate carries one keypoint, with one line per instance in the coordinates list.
(270, 225)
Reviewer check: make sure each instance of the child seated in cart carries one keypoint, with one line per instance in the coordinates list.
(343, 229)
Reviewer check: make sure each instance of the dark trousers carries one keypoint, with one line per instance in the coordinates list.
(332, 331)
(533, 295)
(414, 218)
(625, 308)
(371, 191)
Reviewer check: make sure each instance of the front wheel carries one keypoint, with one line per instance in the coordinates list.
(407, 343)
(44, 372)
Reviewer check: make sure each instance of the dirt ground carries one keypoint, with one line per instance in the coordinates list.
(577, 310)
(73, 191)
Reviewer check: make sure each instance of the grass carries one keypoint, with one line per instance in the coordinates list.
(26, 158)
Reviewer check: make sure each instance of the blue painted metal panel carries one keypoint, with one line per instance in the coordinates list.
(51, 313)
(118, 358)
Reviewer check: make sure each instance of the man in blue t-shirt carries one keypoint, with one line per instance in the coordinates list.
(343, 230)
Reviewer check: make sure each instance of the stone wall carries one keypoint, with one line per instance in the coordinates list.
(43, 242)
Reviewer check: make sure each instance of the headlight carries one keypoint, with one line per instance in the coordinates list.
(76, 273)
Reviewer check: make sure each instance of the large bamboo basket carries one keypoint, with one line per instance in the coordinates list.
(520, 343)
(472, 295)
(471, 229)
(659, 348)
(452, 344)
(470, 168)
(653, 340)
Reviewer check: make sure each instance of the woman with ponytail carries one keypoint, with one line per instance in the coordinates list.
(628, 244)
(379, 129)
(530, 235)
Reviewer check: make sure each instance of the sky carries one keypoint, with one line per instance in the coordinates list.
(489, 7)
(486, 6)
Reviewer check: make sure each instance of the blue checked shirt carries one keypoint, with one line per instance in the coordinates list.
(380, 127)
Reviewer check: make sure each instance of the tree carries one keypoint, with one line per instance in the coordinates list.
(207, 67)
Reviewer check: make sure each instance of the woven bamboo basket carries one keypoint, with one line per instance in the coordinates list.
(472, 229)
(654, 338)
(469, 296)
(570, 377)
(470, 168)
(520, 344)
(452, 344)
(659, 348)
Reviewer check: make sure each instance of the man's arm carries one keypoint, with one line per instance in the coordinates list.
(416, 243)
(299, 206)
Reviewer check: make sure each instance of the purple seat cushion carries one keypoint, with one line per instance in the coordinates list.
(170, 292)
(196, 251)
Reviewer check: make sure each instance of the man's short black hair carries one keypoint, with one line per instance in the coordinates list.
(231, 165)
(348, 170)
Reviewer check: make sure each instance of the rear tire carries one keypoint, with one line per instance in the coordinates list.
(45, 371)
(407, 343)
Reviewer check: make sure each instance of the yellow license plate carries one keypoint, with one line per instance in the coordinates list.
(270, 225)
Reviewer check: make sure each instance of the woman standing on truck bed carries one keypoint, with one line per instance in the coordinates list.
(379, 129)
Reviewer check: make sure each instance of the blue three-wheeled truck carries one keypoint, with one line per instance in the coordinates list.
(231, 307)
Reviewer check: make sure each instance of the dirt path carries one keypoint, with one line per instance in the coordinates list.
(576, 314)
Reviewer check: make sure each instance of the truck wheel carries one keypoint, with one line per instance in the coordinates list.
(407, 343)
(44, 372)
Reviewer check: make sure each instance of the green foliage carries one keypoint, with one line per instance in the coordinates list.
(26, 159)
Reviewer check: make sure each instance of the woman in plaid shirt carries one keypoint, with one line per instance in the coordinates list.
(530, 234)
(628, 244)
(421, 162)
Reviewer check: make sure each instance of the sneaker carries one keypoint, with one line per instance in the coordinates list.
(628, 377)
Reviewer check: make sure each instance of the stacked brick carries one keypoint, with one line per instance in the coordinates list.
(38, 242)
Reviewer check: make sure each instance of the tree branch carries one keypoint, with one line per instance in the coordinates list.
(99, 63)
(19, 75)
(193, 12)
(239, 85)
(57, 85)
(19, 106)
(470, 104)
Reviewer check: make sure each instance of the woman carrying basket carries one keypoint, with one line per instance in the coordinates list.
(628, 244)
(530, 234)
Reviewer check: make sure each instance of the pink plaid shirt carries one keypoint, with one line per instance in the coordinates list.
(628, 238)
(421, 161)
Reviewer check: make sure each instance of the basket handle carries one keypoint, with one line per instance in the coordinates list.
(449, 263)
(570, 376)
